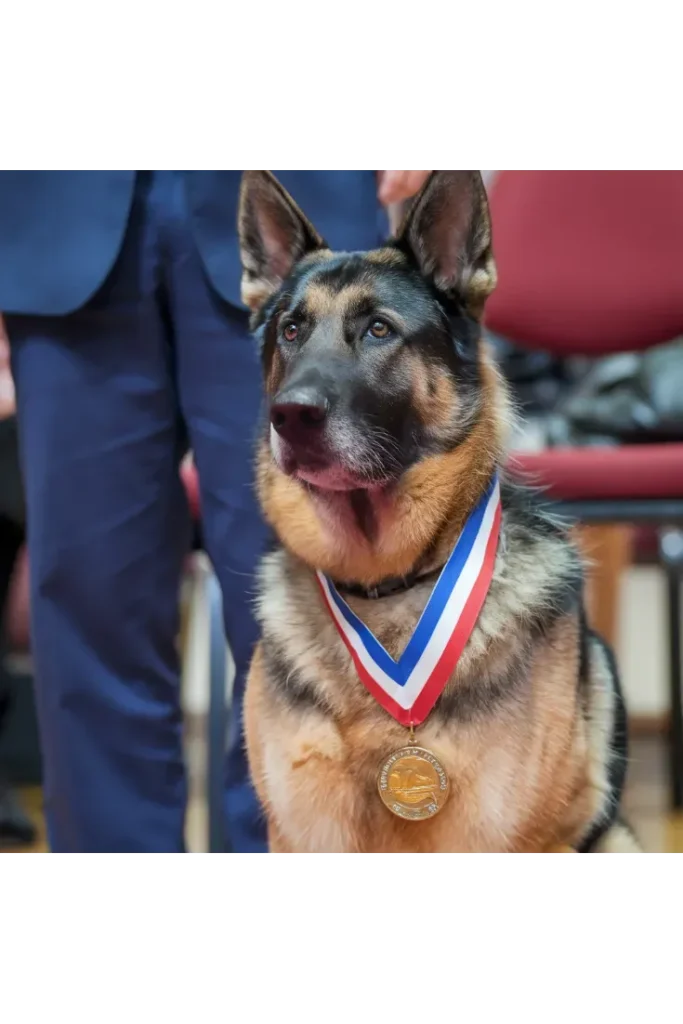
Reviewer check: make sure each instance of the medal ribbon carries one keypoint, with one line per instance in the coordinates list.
(409, 688)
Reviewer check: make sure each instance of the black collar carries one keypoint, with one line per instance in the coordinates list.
(385, 588)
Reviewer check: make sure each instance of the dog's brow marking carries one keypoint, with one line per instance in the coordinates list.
(322, 301)
(319, 300)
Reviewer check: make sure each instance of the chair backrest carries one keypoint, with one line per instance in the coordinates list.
(588, 261)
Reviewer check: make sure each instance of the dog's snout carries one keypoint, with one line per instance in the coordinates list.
(297, 415)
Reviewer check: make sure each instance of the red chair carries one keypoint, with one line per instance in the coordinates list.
(591, 263)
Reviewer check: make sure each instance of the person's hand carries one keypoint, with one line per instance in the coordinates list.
(397, 186)
(7, 397)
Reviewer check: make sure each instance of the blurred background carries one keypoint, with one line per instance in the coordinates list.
(587, 323)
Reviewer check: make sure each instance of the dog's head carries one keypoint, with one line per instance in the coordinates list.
(372, 360)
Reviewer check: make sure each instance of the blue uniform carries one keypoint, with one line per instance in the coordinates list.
(120, 292)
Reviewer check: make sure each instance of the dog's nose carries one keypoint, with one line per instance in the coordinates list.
(299, 415)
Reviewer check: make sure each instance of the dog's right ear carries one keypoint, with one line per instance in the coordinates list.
(274, 235)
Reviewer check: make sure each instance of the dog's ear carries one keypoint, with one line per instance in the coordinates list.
(274, 234)
(447, 228)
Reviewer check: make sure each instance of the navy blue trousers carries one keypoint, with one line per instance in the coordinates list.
(109, 397)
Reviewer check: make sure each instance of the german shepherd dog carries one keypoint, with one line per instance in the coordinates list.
(386, 424)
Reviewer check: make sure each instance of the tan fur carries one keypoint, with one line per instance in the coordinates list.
(275, 372)
(434, 395)
(254, 292)
(323, 302)
(386, 257)
(480, 285)
(318, 256)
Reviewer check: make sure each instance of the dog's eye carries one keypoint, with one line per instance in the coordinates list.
(290, 332)
(379, 329)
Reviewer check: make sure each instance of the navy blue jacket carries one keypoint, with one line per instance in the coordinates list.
(61, 231)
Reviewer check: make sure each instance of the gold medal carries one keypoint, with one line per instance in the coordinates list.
(413, 784)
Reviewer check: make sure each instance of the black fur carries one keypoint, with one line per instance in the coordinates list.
(618, 763)
(528, 517)
(287, 683)
(533, 517)
(484, 696)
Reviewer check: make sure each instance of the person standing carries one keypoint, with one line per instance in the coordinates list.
(120, 292)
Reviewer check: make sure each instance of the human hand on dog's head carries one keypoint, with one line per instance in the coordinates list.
(397, 186)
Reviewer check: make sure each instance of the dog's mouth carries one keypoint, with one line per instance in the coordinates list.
(321, 468)
(337, 478)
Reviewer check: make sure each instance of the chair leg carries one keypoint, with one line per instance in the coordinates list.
(671, 550)
(219, 719)
(194, 649)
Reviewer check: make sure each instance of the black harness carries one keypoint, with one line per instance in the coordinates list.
(388, 587)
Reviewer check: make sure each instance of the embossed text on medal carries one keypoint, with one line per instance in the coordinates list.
(413, 784)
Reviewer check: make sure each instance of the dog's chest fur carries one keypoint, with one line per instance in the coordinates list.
(506, 727)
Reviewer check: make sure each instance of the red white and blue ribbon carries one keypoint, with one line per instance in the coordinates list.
(409, 688)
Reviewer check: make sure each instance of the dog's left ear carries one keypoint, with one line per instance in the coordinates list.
(447, 228)
(274, 235)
